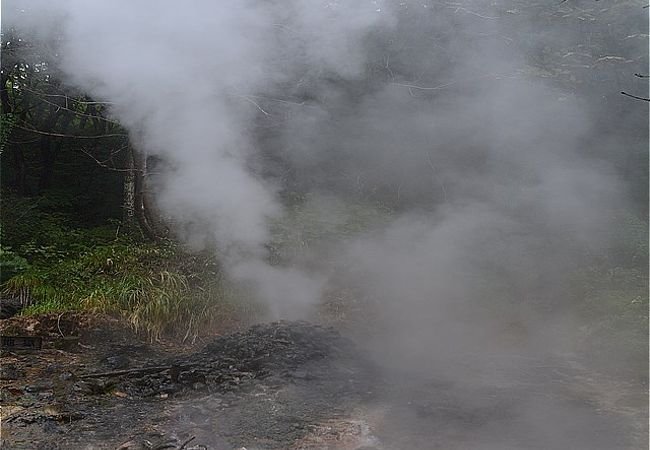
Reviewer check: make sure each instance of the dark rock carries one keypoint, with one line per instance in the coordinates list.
(39, 387)
(10, 306)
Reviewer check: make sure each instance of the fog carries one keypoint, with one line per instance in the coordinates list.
(496, 172)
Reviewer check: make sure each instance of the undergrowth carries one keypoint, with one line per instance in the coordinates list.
(156, 287)
(56, 263)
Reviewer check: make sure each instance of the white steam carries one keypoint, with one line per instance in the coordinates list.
(384, 99)
(440, 110)
(181, 77)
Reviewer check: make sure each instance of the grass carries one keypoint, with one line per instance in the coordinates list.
(159, 289)
(59, 264)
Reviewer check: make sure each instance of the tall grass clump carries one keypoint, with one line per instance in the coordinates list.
(157, 288)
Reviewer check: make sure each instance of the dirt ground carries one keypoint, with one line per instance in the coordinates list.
(86, 390)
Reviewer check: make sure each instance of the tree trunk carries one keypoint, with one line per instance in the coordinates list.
(135, 205)
(128, 204)
(140, 193)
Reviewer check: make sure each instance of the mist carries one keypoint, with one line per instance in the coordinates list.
(497, 177)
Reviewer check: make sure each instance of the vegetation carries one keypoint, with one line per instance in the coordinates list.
(156, 285)
(56, 263)
(79, 232)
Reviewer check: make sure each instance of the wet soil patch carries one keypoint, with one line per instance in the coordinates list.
(281, 352)
(265, 387)
(295, 385)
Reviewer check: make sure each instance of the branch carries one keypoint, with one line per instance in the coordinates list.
(248, 99)
(450, 83)
(139, 371)
(71, 136)
(103, 163)
(278, 100)
(634, 96)
(81, 102)
(187, 441)
(80, 113)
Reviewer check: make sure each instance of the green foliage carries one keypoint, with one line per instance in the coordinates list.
(56, 260)
(42, 228)
(7, 123)
(153, 285)
(11, 263)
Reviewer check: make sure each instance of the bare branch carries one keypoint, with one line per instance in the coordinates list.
(71, 136)
(67, 98)
(80, 113)
(248, 99)
(450, 83)
(634, 96)
(103, 163)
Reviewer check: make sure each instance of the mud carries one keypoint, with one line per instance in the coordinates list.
(264, 387)
(294, 385)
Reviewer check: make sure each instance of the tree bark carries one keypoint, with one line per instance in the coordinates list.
(135, 204)
(128, 203)
(140, 192)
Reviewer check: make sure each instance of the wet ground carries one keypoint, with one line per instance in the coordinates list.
(292, 385)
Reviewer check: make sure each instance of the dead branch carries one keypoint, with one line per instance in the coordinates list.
(187, 441)
(248, 99)
(117, 373)
(70, 136)
(67, 98)
(450, 83)
(636, 97)
(103, 163)
(80, 113)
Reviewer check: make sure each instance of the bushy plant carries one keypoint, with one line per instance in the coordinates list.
(11, 263)
(158, 288)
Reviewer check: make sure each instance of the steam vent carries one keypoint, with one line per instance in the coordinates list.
(324, 225)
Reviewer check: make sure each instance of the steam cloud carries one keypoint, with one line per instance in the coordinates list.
(492, 170)
(432, 111)
(182, 80)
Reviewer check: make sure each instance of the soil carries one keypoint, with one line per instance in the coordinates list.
(292, 385)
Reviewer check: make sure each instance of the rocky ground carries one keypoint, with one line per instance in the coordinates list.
(268, 387)
(293, 385)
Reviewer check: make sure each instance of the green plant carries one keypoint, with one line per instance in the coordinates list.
(158, 288)
(7, 123)
(11, 263)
